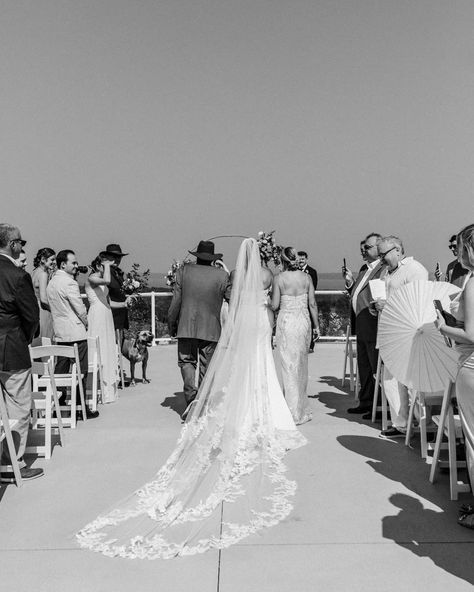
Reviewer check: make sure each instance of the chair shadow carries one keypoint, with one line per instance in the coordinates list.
(338, 401)
(423, 531)
(176, 402)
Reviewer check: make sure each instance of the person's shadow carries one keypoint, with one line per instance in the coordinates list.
(425, 532)
(420, 530)
(338, 400)
(176, 402)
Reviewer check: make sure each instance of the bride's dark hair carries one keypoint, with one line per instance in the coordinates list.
(45, 253)
(289, 257)
(101, 257)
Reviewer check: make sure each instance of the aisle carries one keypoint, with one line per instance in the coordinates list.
(365, 516)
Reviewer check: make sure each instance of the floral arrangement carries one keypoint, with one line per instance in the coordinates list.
(171, 275)
(135, 281)
(269, 250)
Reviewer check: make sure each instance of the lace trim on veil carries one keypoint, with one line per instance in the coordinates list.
(229, 451)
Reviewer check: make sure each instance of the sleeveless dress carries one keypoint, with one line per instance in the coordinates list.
(293, 337)
(101, 323)
(46, 320)
(465, 380)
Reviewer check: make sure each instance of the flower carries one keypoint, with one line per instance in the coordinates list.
(171, 275)
(268, 247)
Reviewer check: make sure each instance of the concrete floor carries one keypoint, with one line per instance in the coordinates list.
(365, 516)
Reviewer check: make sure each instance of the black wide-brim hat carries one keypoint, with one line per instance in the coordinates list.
(205, 251)
(114, 249)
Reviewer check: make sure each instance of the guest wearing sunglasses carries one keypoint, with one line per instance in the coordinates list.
(400, 270)
(455, 272)
(365, 322)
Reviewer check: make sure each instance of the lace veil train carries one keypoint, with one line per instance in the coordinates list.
(229, 450)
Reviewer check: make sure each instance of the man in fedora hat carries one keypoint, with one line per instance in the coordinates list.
(194, 315)
(118, 299)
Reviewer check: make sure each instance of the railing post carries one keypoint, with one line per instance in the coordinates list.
(153, 326)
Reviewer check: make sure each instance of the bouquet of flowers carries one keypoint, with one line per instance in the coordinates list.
(134, 281)
(171, 275)
(268, 248)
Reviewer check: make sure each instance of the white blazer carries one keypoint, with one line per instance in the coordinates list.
(67, 309)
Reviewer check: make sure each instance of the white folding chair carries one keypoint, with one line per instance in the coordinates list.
(350, 353)
(449, 425)
(70, 380)
(422, 402)
(95, 370)
(6, 425)
(44, 404)
(384, 406)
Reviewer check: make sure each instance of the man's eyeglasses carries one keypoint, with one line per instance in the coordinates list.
(382, 255)
(368, 247)
(453, 247)
(19, 240)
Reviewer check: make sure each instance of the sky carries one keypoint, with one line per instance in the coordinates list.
(157, 123)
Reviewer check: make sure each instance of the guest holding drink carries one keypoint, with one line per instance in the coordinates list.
(43, 266)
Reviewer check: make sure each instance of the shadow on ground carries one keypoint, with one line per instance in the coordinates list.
(339, 400)
(176, 402)
(423, 531)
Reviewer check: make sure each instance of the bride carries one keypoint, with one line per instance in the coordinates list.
(230, 449)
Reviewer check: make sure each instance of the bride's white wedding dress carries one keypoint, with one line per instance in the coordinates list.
(230, 449)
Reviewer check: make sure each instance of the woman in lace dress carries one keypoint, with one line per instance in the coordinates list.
(462, 308)
(44, 265)
(225, 478)
(101, 324)
(293, 296)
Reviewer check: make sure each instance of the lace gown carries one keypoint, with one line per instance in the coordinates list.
(101, 323)
(225, 477)
(293, 336)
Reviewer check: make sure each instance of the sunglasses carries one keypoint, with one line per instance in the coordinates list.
(382, 255)
(452, 247)
(19, 240)
(368, 247)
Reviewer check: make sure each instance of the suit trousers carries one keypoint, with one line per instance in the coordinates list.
(17, 386)
(189, 351)
(63, 365)
(367, 356)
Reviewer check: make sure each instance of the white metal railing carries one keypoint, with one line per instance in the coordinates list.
(158, 294)
(162, 294)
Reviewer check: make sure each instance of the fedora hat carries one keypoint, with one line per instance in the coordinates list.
(205, 251)
(114, 249)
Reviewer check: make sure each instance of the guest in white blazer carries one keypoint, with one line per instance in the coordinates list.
(69, 314)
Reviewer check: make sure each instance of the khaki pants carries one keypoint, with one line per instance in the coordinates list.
(17, 388)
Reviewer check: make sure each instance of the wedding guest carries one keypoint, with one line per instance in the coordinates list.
(194, 315)
(303, 263)
(22, 260)
(101, 323)
(69, 316)
(455, 272)
(118, 300)
(19, 318)
(400, 270)
(43, 265)
(462, 308)
(365, 322)
(293, 296)
(349, 280)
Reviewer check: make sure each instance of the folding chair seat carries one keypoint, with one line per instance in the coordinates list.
(44, 404)
(6, 425)
(95, 371)
(70, 380)
(449, 426)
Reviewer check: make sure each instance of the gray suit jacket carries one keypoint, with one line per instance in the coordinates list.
(197, 300)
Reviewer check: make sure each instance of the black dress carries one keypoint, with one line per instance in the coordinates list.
(116, 294)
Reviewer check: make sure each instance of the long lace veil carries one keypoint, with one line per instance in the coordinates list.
(225, 478)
